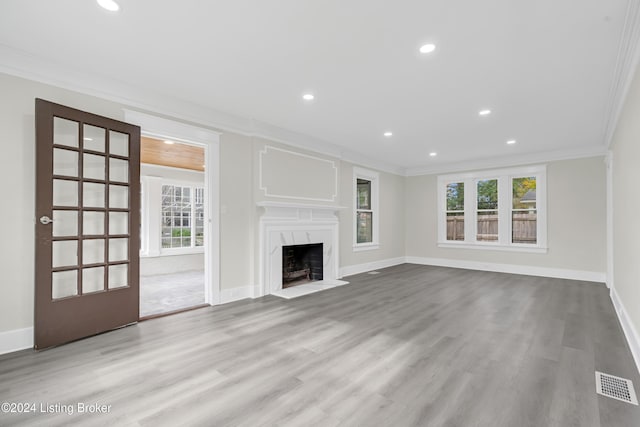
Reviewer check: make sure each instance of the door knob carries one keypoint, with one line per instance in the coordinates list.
(45, 220)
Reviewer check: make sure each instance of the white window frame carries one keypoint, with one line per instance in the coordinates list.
(505, 206)
(151, 232)
(374, 178)
(192, 224)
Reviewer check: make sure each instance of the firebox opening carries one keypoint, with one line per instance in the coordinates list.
(301, 264)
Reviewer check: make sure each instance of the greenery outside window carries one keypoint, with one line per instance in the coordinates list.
(502, 209)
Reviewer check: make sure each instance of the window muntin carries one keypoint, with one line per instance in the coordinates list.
(524, 214)
(487, 210)
(180, 206)
(455, 211)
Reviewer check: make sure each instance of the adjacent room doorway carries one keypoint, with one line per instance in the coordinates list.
(173, 232)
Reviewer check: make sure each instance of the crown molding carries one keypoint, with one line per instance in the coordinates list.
(24, 65)
(27, 66)
(523, 159)
(626, 63)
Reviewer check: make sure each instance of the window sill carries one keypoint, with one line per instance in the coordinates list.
(365, 247)
(495, 247)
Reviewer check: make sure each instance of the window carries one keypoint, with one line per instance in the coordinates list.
(500, 209)
(487, 210)
(455, 211)
(366, 209)
(182, 216)
(524, 215)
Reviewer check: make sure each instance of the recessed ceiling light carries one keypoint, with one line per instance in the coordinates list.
(169, 142)
(433, 154)
(308, 97)
(427, 48)
(484, 112)
(388, 134)
(110, 5)
(87, 139)
(511, 141)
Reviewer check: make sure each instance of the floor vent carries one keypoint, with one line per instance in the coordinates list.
(373, 272)
(616, 388)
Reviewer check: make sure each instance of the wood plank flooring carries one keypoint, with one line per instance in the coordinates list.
(411, 346)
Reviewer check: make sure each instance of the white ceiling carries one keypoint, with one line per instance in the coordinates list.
(548, 69)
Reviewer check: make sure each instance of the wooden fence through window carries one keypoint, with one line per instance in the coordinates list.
(524, 228)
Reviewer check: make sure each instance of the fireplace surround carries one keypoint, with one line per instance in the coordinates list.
(289, 224)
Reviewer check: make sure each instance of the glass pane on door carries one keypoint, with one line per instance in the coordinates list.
(64, 284)
(92, 223)
(94, 167)
(65, 193)
(65, 223)
(64, 253)
(92, 280)
(118, 143)
(118, 276)
(93, 138)
(65, 162)
(65, 132)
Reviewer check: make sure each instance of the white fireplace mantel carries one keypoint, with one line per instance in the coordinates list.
(286, 224)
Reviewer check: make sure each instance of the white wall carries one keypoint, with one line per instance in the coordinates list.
(576, 230)
(626, 227)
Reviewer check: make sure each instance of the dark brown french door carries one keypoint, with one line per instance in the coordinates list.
(87, 224)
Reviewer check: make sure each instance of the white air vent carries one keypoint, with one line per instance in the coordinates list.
(616, 388)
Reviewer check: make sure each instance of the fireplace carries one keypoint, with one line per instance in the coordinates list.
(312, 228)
(301, 264)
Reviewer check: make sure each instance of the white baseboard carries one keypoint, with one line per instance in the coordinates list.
(17, 339)
(559, 273)
(633, 338)
(369, 266)
(235, 294)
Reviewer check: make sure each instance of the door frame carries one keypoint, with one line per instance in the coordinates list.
(160, 128)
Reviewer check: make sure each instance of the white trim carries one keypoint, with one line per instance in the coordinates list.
(15, 340)
(610, 260)
(158, 127)
(370, 266)
(374, 178)
(170, 129)
(295, 153)
(273, 204)
(528, 270)
(507, 161)
(488, 246)
(630, 332)
(236, 294)
(359, 247)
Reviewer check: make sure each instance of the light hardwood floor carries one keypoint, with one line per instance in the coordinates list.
(413, 345)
